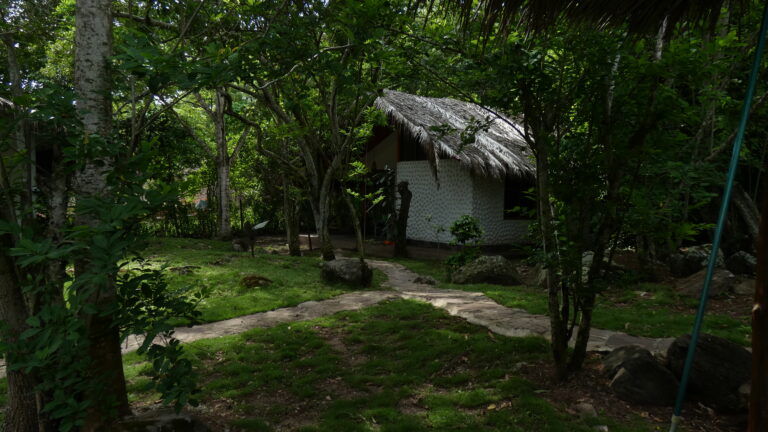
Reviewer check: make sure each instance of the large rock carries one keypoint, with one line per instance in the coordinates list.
(723, 282)
(351, 271)
(487, 269)
(720, 369)
(741, 263)
(638, 378)
(160, 421)
(688, 261)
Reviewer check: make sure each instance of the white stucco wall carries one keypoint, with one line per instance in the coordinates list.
(432, 207)
(460, 193)
(488, 208)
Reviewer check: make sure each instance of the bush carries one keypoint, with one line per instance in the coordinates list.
(466, 232)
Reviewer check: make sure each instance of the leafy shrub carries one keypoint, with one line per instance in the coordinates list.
(467, 232)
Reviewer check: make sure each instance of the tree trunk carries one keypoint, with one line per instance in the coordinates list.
(402, 219)
(291, 214)
(320, 211)
(21, 412)
(356, 225)
(747, 209)
(558, 315)
(222, 166)
(758, 397)
(93, 48)
(22, 143)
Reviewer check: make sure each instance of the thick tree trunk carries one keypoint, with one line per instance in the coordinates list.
(21, 412)
(758, 397)
(402, 219)
(320, 210)
(291, 214)
(93, 42)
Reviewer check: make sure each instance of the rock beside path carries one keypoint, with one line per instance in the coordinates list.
(742, 263)
(487, 269)
(637, 377)
(723, 282)
(351, 271)
(690, 260)
(720, 369)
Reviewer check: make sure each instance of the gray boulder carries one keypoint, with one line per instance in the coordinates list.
(487, 269)
(638, 378)
(742, 263)
(689, 260)
(723, 282)
(161, 421)
(720, 369)
(352, 271)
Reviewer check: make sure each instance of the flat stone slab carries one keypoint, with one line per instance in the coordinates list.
(303, 312)
(478, 309)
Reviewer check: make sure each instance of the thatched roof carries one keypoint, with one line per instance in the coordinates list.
(437, 125)
(5, 105)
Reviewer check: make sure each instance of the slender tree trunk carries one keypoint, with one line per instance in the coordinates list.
(758, 397)
(402, 219)
(22, 143)
(222, 166)
(355, 225)
(558, 318)
(291, 214)
(93, 47)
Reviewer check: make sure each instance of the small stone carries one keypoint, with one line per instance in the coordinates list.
(162, 420)
(600, 428)
(184, 270)
(426, 280)
(745, 287)
(585, 410)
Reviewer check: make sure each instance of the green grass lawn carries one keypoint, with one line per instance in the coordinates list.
(398, 366)
(294, 279)
(658, 312)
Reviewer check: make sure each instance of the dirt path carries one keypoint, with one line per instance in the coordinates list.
(474, 307)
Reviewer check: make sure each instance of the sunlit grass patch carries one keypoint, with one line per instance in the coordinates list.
(398, 366)
(214, 268)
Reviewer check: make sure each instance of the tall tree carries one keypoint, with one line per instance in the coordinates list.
(93, 42)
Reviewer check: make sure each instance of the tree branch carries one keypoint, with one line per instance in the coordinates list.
(239, 144)
(146, 20)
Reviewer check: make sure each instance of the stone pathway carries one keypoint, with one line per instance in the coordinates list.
(474, 307)
(478, 309)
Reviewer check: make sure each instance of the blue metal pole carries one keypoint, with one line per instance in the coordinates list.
(720, 221)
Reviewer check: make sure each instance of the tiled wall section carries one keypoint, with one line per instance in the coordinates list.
(459, 194)
(488, 207)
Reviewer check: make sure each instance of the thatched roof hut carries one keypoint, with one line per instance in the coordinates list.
(437, 124)
(5, 105)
